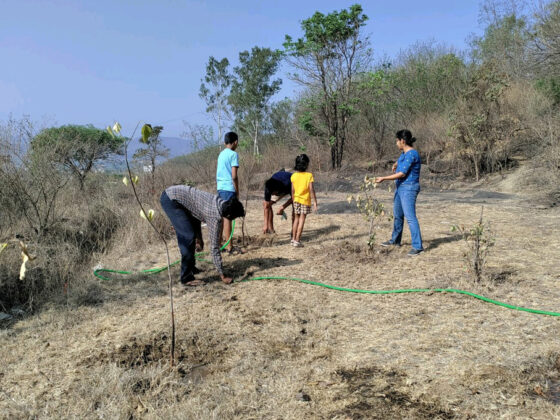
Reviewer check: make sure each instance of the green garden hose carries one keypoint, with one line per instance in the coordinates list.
(342, 289)
(159, 269)
(386, 292)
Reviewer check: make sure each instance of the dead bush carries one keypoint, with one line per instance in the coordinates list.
(483, 125)
(47, 277)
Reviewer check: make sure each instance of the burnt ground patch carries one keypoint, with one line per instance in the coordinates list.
(375, 393)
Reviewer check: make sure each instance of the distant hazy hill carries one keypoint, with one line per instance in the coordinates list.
(177, 147)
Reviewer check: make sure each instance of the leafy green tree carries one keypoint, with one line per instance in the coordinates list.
(214, 90)
(326, 59)
(377, 105)
(154, 148)
(252, 89)
(282, 121)
(77, 147)
(506, 43)
(428, 79)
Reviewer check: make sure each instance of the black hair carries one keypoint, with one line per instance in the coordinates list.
(232, 209)
(406, 135)
(230, 137)
(274, 185)
(302, 162)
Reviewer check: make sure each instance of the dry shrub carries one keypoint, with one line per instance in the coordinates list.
(543, 123)
(276, 157)
(318, 153)
(62, 251)
(48, 275)
(431, 132)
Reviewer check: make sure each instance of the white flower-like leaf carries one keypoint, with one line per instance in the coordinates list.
(25, 257)
(150, 215)
(117, 127)
(125, 181)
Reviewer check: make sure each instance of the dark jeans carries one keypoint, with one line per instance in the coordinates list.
(186, 227)
(404, 205)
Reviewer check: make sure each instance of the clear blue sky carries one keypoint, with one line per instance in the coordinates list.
(98, 61)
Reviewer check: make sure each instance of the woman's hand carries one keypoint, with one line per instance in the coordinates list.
(379, 179)
(199, 245)
(394, 167)
(315, 207)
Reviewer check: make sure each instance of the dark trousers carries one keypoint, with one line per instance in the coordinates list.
(186, 227)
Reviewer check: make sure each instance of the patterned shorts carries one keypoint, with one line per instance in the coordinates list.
(301, 208)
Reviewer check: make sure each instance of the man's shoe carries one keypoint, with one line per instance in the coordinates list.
(389, 243)
(196, 270)
(414, 252)
(188, 278)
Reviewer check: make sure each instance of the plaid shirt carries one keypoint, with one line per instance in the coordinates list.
(206, 208)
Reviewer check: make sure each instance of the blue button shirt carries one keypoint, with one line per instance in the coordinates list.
(409, 165)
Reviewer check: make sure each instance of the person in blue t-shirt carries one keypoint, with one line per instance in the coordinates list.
(406, 173)
(276, 187)
(226, 177)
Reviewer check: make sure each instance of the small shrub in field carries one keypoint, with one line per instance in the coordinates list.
(369, 206)
(479, 239)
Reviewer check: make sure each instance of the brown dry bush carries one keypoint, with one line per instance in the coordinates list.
(431, 131)
(61, 253)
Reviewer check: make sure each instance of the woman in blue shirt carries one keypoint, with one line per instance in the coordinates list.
(406, 173)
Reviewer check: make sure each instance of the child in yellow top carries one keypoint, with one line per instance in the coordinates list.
(302, 192)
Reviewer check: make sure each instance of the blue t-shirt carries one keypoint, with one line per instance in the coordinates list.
(409, 164)
(285, 178)
(226, 160)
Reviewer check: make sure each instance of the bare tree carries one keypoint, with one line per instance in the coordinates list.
(30, 184)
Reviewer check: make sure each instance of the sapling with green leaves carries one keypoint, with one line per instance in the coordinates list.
(479, 239)
(148, 215)
(369, 206)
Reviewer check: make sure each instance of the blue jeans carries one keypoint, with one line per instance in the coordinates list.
(187, 227)
(226, 195)
(404, 205)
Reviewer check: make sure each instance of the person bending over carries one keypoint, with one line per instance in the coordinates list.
(275, 188)
(186, 207)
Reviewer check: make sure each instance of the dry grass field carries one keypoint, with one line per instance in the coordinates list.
(277, 349)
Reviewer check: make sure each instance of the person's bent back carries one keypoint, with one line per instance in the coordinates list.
(186, 208)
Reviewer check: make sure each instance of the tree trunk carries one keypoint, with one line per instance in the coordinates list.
(256, 139)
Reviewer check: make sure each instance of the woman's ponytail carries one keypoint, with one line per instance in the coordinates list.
(406, 135)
